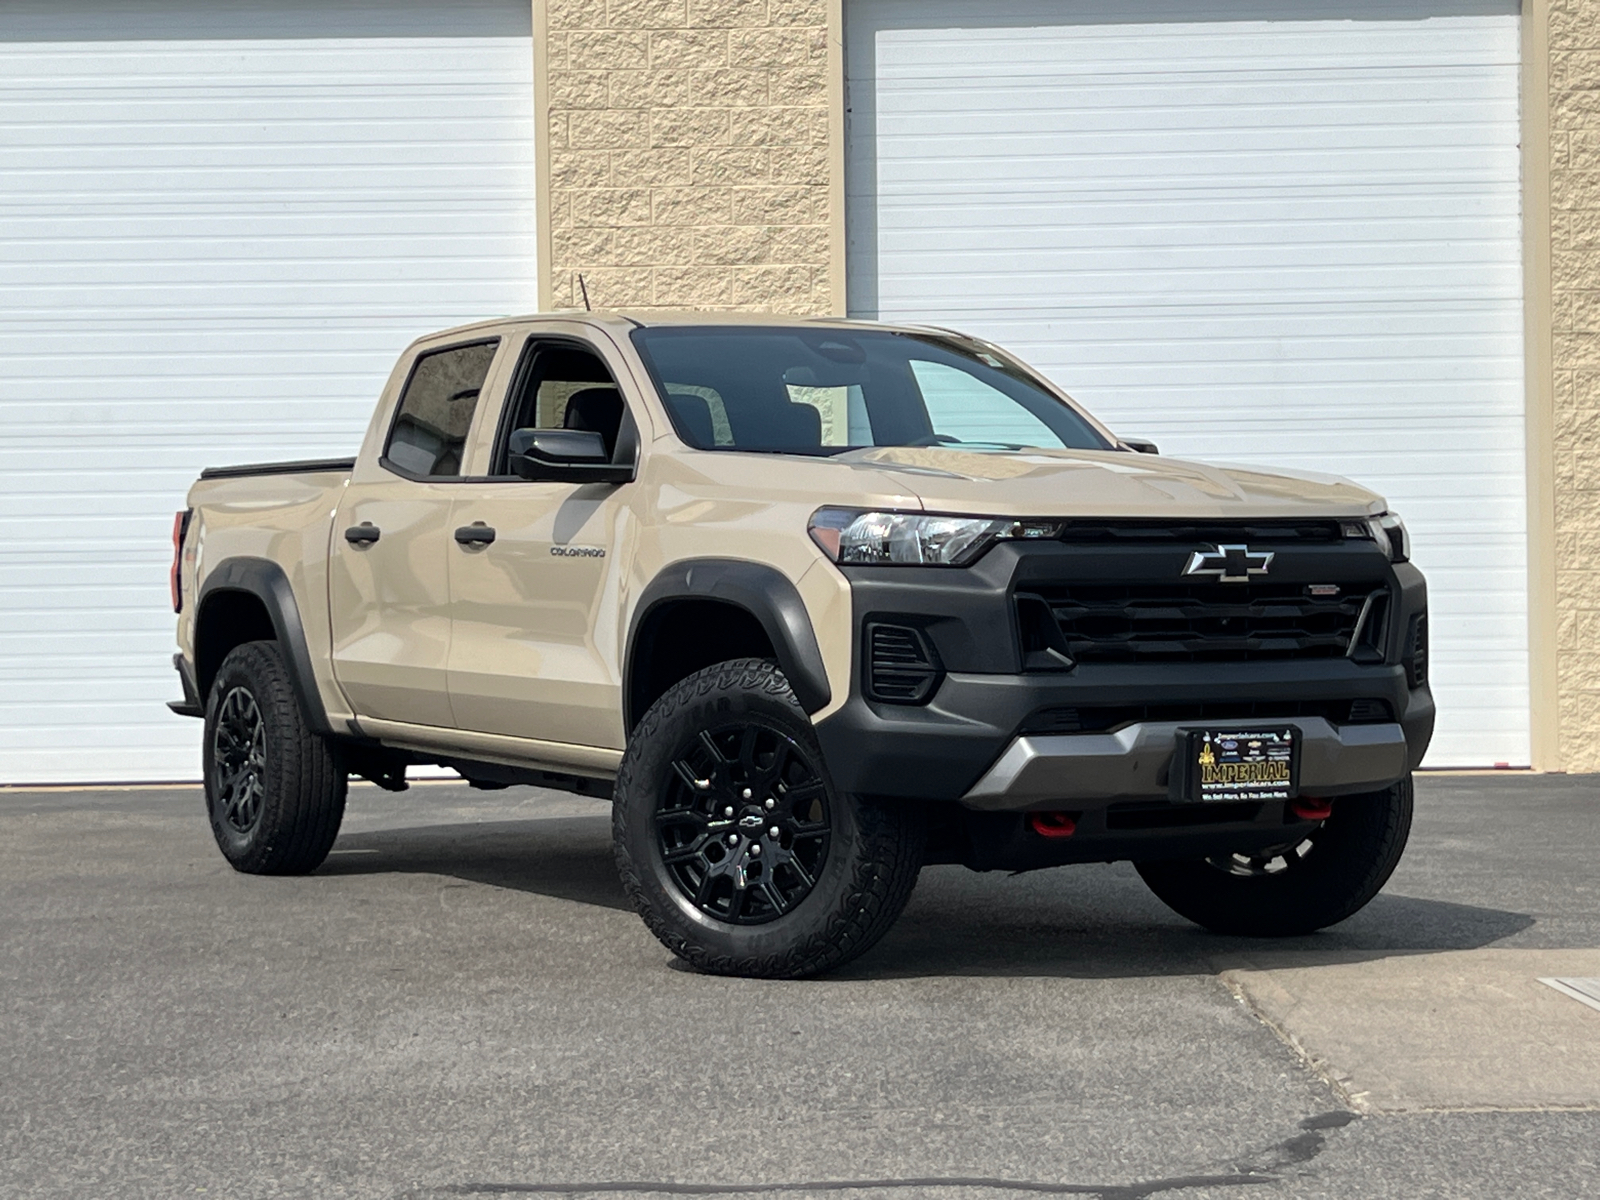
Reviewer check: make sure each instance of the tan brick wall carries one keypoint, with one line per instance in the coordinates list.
(689, 153)
(1575, 271)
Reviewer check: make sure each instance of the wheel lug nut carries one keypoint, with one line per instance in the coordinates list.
(755, 848)
(771, 804)
(733, 839)
(747, 793)
(728, 812)
(773, 832)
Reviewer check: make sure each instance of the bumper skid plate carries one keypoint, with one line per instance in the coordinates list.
(1092, 770)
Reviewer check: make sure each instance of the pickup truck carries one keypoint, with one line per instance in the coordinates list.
(814, 603)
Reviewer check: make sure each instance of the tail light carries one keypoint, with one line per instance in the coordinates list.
(180, 530)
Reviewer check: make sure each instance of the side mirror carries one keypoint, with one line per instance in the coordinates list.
(565, 456)
(1140, 445)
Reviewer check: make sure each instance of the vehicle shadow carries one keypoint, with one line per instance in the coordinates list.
(567, 858)
(1094, 921)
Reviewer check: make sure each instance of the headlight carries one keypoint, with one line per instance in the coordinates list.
(1388, 530)
(915, 539)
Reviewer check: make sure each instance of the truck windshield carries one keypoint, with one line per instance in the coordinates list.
(825, 391)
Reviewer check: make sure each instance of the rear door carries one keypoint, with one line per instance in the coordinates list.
(536, 579)
(388, 588)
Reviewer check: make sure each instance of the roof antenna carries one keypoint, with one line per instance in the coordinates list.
(585, 292)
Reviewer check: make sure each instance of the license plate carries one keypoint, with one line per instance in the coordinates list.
(1237, 763)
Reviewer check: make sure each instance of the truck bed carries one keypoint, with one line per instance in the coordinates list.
(304, 466)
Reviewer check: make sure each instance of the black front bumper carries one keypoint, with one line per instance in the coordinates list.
(986, 704)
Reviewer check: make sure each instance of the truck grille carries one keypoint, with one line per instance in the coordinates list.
(1203, 622)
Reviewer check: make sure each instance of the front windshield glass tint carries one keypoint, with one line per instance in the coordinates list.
(823, 391)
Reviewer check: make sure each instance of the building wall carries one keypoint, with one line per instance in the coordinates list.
(689, 153)
(1574, 83)
(695, 160)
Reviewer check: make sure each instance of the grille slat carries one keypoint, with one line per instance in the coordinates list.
(1202, 621)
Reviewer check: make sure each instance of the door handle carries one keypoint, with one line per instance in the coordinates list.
(363, 534)
(476, 534)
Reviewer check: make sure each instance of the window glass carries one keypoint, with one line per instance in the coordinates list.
(561, 385)
(962, 408)
(843, 411)
(430, 431)
(824, 391)
(701, 409)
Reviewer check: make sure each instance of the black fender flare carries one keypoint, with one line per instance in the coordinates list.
(266, 581)
(762, 591)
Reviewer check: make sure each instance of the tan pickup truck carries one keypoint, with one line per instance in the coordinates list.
(815, 602)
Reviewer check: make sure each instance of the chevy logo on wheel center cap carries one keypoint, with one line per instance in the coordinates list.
(1230, 564)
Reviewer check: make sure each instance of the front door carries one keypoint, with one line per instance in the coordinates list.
(388, 585)
(536, 569)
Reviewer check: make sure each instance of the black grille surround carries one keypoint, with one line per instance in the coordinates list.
(1205, 621)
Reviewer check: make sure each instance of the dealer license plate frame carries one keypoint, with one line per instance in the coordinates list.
(1246, 764)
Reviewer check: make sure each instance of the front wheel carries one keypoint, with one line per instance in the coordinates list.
(1301, 886)
(734, 846)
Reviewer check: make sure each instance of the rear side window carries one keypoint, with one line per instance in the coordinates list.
(429, 436)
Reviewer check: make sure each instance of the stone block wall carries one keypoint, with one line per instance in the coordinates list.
(689, 153)
(1575, 271)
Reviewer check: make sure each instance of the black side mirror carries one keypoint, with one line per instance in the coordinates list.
(1140, 445)
(564, 455)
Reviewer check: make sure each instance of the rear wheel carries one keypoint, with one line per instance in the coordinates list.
(733, 844)
(275, 791)
(1301, 886)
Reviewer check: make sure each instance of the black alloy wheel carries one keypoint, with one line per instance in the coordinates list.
(275, 790)
(238, 761)
(733, 844)
(743, 824)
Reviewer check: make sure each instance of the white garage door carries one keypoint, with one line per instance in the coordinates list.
(218, 226)
(1282, 232)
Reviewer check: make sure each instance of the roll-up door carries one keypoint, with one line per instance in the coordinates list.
(1264, 232)
(219, 223)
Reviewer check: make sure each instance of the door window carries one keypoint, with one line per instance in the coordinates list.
(562, 385)
(429, 436)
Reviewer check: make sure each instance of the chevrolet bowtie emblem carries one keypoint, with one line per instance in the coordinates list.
(1231, 564)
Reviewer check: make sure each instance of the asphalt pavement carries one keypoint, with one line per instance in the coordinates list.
(459, 1004)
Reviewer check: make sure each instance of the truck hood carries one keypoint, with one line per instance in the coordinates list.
(1067, 483)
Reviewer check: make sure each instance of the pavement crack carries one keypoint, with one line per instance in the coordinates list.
(1262, 1167)
(1301, 1148)
(1128, 1191)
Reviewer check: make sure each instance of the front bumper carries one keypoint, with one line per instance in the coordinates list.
(977, 741)
(969, 744)
(1134, 763)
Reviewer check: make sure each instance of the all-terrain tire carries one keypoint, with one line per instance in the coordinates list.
(275, 790)
(739, 725)
(1317, 882)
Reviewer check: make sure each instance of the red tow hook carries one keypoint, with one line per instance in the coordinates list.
(1311, 808)
(1053, 824)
